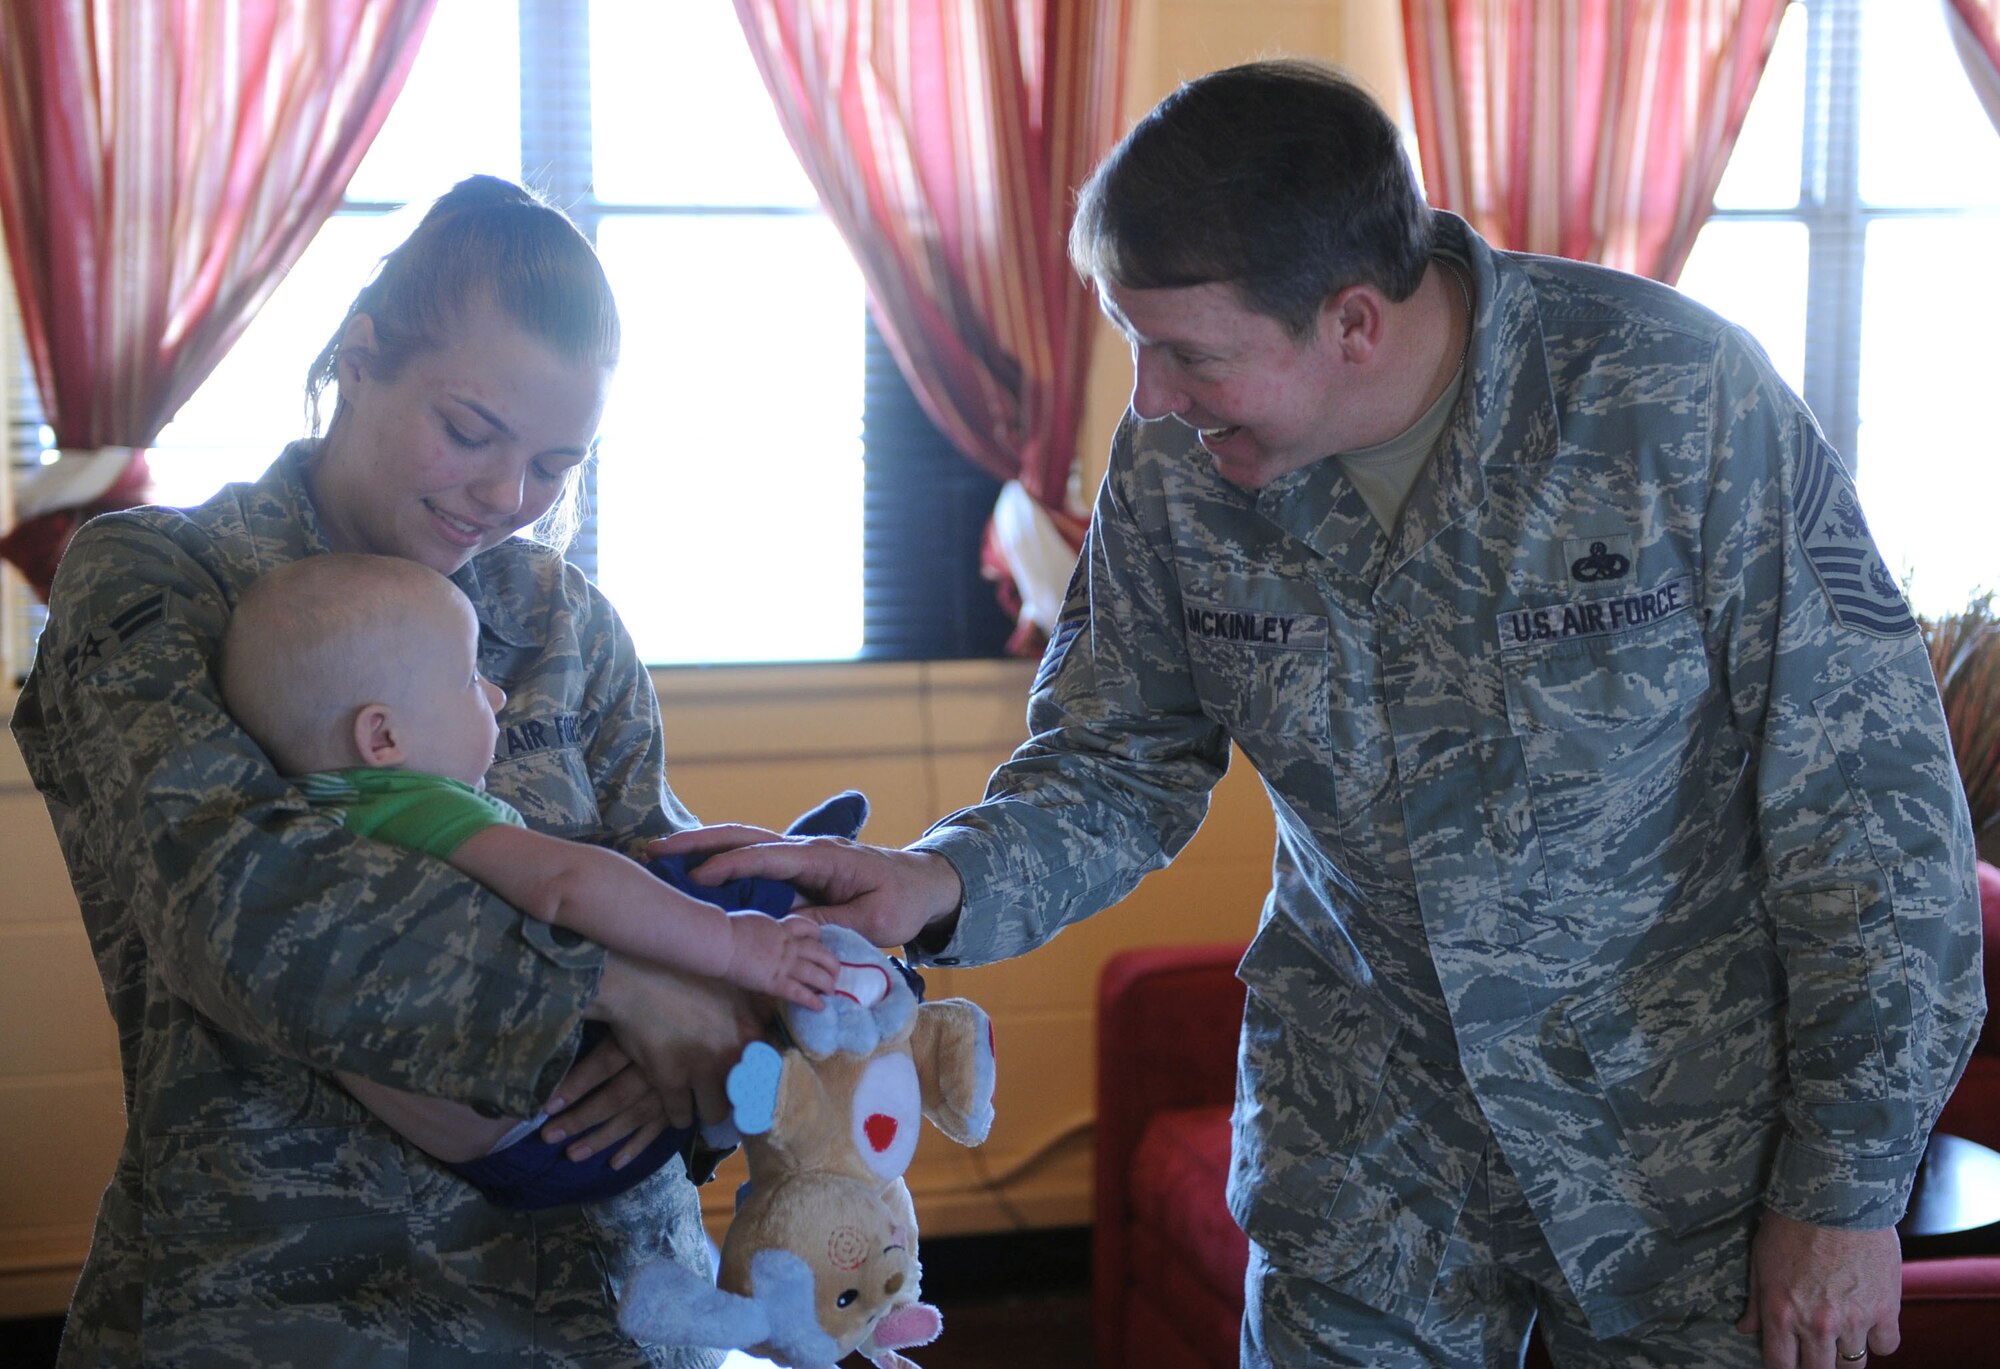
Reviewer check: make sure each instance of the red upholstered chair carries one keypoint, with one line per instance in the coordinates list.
(1168, 1282)
(1169, 1259)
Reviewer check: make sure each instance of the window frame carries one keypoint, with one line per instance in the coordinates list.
(917, 604)
(1836, 218)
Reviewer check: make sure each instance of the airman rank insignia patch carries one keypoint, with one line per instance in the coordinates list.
(102, 641)
(1858, 587)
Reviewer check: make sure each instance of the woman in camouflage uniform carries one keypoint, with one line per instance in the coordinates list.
(249, 947)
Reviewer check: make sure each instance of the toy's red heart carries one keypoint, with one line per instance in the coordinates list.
(881, 1130)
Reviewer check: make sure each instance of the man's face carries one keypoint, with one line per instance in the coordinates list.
(1264, 403)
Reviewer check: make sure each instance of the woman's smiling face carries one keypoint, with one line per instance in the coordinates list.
(469, 443)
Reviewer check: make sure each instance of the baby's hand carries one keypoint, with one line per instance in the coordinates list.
(783, 957)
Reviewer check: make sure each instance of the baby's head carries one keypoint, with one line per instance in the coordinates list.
(340, 661)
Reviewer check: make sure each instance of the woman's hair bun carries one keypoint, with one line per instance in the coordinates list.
(481, 190)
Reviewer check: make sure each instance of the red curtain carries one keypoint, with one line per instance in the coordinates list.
(162, 165)
(1593, 129)
(1975, 30)
(946, 139)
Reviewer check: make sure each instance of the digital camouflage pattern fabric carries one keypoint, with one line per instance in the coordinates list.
(249, 946)
(1616, 816)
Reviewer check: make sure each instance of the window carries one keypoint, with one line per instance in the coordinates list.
(732, 518)
(1853, 234)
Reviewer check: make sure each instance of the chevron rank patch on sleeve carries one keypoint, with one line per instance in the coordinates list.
(1858, 586)
(102, 641)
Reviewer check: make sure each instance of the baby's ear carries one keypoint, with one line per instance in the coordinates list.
(375, 736)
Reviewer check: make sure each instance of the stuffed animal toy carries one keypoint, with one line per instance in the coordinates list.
(821, 1257)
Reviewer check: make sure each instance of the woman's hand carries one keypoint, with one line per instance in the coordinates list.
(682, 1032)
(889, 896)
(609, 1089)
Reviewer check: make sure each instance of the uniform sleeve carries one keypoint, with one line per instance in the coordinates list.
(1115, 776)
(1866, 842)
(626, 751)
(267, 918)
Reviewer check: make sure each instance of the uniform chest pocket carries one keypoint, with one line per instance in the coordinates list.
(1613, 746)
(1263, 676)
(550, 784)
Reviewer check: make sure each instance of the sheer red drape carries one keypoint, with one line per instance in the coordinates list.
(1975, 30)
(1593, 129)
(162, 165)
(946, 141)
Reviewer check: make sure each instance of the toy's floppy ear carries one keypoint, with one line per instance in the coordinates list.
(917, 1323)
(953, 1049)
(665, 1304)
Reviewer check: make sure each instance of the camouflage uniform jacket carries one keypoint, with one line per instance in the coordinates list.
(249, 945)
(1617, 822)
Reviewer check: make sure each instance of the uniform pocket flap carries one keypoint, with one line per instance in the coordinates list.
(1606, 681)
(1283, 970)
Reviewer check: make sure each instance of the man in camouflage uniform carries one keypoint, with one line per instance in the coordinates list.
(1623, 904)
(258, 1216)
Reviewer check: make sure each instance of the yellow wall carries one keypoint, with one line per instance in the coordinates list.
(756, 745)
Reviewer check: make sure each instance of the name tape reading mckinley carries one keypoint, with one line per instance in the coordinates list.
(1291, 631)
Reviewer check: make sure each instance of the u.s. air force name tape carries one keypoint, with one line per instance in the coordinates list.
(1598, 617)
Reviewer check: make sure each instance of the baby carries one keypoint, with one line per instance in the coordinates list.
(357, 675)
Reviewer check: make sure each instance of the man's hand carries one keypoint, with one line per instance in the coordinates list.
(889, 896)
(682, 1031)
(1819, 1296)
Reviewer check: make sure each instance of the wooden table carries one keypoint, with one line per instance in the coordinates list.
(1955, 1205)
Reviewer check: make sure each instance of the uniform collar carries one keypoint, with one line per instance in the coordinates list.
(499, 615)
(1319, 506)
(1511, 419)
(281, 514)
